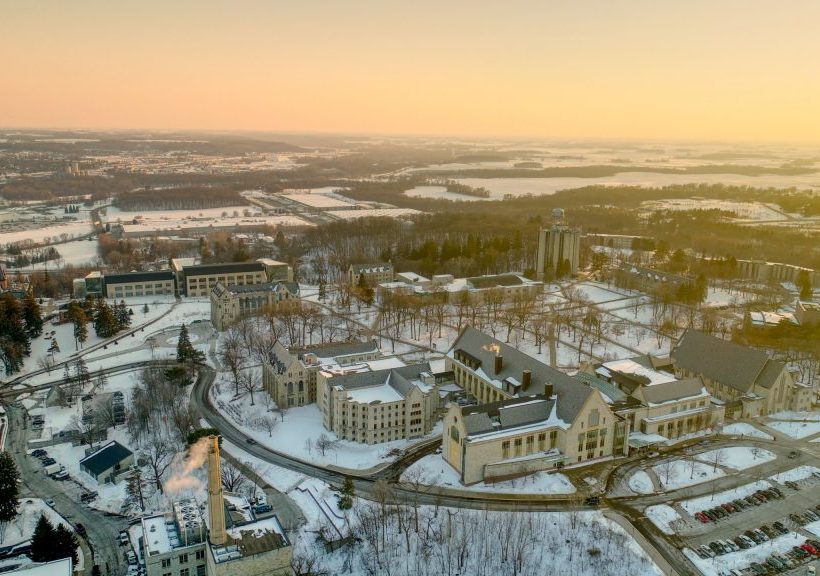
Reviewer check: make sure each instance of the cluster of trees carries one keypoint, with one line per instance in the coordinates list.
(409, 539)
(9, 491)
(49, 543)
(109, 320)
(60, 186)
(72, 209)
(20, 321)
(36, 257)
(179, 198)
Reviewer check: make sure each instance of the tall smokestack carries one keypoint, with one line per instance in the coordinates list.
(499, 363)
(526, 379)
(216, 502)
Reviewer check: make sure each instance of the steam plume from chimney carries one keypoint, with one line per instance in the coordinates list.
(183, 477)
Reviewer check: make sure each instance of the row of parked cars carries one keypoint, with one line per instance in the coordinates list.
(739, 504)
(781, 561)
(806, 517)
(50, 465)
(748, 539)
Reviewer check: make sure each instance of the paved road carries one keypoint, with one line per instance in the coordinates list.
(102, 529)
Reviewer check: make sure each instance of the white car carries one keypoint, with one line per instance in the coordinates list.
(50, 503)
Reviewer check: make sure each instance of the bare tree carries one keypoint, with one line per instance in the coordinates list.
(232, 478)
(232, 356)
(267, 422)
(325, 444)
(158, 453)
(250, 381)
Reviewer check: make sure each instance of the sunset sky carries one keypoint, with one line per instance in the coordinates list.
(717, 69)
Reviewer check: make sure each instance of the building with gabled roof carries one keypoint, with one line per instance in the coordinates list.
(371, 274)
(492, 373)
(290, 375)
(751, 383)
(108, 463)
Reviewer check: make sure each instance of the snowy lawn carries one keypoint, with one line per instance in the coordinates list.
(789, 415)
(280, 478)
(706, 502)
(676, 474)
(795, 474)
(795, 429)
(22, 527)
(297, 432)
(744, 429)
(663, 516)
(641, 483)
(724, 564)
(813, 527)
(737, 457)
(432, 470)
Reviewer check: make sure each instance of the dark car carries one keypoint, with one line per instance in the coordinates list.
(80, 529)
(250, 441)
(592, 501)
(49, 461)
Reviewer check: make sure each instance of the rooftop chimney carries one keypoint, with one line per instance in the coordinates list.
(548, 390)
(526, 379)
(216, 502)
(499, 362)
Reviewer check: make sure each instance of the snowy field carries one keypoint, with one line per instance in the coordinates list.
(676, 474)
(439, 193)
(373, 213)
(297, 433)
(318, 200)
(742, 210)
(499, 187)
(49, 233)
(712, 500)
(663, 517)
(794, 429)
(432, 470)
(737, 457)
(641, 483)
(744, 429)
(795, 474)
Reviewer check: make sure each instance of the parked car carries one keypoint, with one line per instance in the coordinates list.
(80, 529)
(792, 484)
(124, 538)
(39, 452)
(50, 503)
(49, 461)
(780, 527)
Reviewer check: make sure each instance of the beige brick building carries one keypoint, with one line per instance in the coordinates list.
(290, 376)
(373, 274)
(380, 405)
(747, 380)
(229, 304)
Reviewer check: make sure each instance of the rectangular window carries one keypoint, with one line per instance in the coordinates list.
(505, 449)
(183, 558)
(166, 563)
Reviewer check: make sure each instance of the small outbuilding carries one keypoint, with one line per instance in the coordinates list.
(107, 463)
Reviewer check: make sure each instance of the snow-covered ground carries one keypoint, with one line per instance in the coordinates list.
(813, 527)
(795, 429)
(663, 517)
(432, 470)
(373, 213)
(297, 433)
(712, 500)
(795, 474)
(29, 512)
(737, 457)
(641, 483)
(676, 474)
(724, 564)
(801, 416)
(744, 429)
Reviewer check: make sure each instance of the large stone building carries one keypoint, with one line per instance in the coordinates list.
(229, 304)
(775, 271)
(807, 312)
(199, 280)
(751, 383)
(290, 376)
(559, 248)
(658, 407)
(491, 372)
(478, 289)
(371, 274)
(528, 416)
(379, 405)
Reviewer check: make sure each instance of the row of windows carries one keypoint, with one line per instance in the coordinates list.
(529, 441)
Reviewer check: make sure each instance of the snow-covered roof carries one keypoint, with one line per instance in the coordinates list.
(60, 567)
(629, 366)
(156, 534)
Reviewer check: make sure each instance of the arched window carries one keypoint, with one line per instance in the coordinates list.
(301, 386)
(290, 387)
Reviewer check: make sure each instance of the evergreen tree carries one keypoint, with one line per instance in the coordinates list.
(32, 315)
(346, 499)
(105, 322)
(14, 339)
(122, 316)
(185, 350)
(9, 478)
(42, 541)
(65, 544)
(145, 308)
(78, 317)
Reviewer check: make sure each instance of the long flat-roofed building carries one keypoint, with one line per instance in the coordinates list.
(133, 284)
(199, 280)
